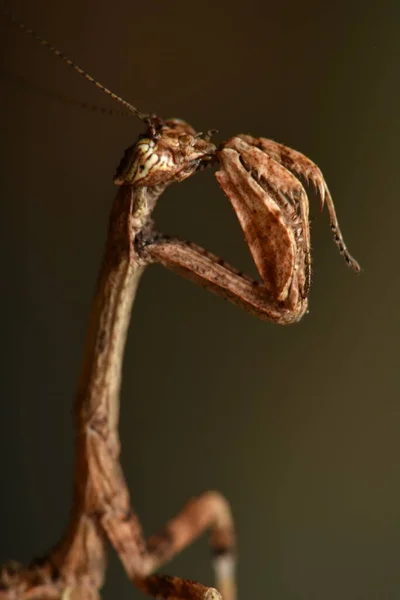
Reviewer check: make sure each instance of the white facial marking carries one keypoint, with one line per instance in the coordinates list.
(149, 160)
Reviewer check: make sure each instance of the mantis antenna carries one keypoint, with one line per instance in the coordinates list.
(132, 109)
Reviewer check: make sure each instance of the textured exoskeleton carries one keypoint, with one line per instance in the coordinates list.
(272, 206)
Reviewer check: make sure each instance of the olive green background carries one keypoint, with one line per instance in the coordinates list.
(297, 426)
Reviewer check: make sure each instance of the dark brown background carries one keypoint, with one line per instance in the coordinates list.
(298, 426)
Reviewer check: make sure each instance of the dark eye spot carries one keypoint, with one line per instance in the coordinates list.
(141, 167)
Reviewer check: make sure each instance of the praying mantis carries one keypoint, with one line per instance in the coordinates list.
(261, 179)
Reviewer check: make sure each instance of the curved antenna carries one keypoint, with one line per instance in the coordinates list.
(20, 80)
(137, 113)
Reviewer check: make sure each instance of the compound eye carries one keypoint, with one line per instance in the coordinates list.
(145, 159)
(145, 163)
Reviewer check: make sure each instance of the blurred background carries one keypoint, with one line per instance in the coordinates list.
(297, 426)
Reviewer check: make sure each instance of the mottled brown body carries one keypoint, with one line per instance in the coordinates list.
(271, 204)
